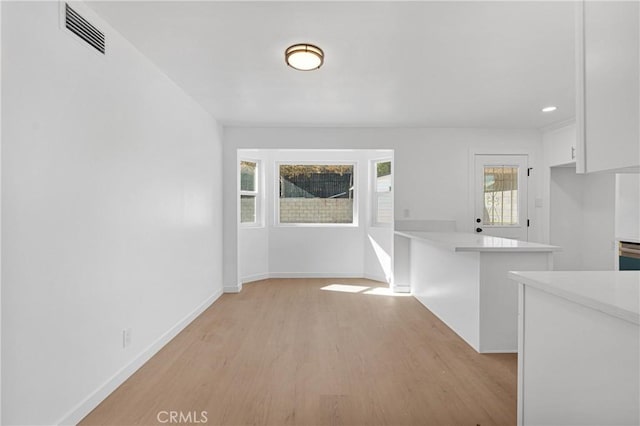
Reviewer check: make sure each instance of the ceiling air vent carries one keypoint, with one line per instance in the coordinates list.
(83, 29)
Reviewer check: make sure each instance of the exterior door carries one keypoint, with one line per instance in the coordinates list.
(500, 193)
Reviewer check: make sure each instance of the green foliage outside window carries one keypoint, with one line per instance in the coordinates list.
(383, 169)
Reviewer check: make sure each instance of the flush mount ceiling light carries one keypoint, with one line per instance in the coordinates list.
(550, 108)
(304, 57)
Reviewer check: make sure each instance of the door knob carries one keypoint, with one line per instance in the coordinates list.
(478, 229)
(478, 220)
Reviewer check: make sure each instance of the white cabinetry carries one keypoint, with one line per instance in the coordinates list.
(578, 348)
(608, 86)
(462, 278)
(560, 146)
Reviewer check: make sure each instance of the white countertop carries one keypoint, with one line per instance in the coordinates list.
(463, 241)
(616, 293)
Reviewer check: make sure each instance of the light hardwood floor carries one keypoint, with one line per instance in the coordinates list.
(287, 352)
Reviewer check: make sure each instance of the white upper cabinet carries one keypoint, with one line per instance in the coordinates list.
(608, 86)
(560, 146)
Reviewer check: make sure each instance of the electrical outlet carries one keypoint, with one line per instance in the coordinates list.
(126, 338)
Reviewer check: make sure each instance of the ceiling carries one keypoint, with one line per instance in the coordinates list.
(427, 64)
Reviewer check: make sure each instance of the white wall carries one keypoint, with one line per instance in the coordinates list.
(431, 176)
(111, 214)
(598, 235)
(578, 209)
(316, 251)
(378, 253)
(567, 224)
(582, 220)
(308, 251)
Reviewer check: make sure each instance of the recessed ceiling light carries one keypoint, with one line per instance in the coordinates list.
(304, 57)
(549, 108)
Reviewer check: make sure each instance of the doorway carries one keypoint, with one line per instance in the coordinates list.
(500, 194)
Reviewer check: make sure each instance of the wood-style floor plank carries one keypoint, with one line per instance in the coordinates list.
(287, 352)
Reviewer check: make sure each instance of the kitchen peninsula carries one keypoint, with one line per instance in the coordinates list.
(463, 279)
(579, 350)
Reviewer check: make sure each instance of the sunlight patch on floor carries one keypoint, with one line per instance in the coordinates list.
(385, 291)
(344, 288)
(375, 291)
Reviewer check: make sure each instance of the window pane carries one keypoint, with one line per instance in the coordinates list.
(247, 176)
(383, 183)
(316, 193)
(501, 195)
(383, 169)
(247, 209)
(384, 207)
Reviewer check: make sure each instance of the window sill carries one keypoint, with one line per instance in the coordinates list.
(251, 226)
(316, 225)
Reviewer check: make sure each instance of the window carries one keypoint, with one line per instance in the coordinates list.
(501, 195)
(316, 193)
(249, 192)
(382, 197)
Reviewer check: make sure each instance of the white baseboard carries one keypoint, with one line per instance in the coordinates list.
(255, 277)
(401, 288)
(267, 275)
(379, 278)
(77, 413)
(314, 275)
(232, 288)
(499, 351)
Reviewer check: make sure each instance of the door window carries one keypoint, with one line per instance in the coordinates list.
(501, 196)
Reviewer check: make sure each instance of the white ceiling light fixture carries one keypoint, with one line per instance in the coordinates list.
(550, 108)
(304, 57)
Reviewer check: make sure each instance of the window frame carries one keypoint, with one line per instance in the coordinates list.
(257, 193)
(276, 194)
(375, 192)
